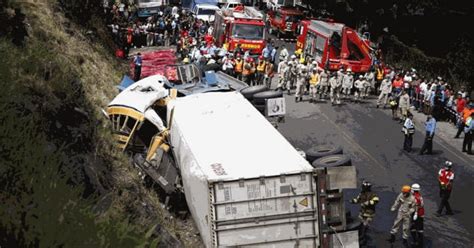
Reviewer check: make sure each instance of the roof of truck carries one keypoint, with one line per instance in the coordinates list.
(326, 28)
(229, 139)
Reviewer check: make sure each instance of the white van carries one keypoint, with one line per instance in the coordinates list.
(205, 12)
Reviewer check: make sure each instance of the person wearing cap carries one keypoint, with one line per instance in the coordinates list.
(283, 53)
(347, 82)
(445, 180)
(283, 74)
(323, 84)
(367, 200)
(359, 88)
(468, 134)
(260, 70)
(430, 127)
(267, 77)
(313, 84)
(369, 83)
(418, 217)
(335, 84)
(293, 72)
(405, 203)
(385, 89)
(238, 67)
(300, 83)
(408, 131)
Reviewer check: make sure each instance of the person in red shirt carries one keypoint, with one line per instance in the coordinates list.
(418, 217)
(445, 178)
(397, 84)
(460, 104)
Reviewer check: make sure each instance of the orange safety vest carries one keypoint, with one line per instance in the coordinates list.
(261, 67)
(238, 66)
(379, 74)
(246, 71)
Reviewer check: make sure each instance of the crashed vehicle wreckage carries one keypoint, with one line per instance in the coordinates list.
(189, 137)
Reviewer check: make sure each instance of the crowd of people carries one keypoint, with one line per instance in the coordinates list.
(404, 91)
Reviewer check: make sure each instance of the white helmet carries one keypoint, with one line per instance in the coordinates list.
(448, 163)
(293, 56)
(415, 187)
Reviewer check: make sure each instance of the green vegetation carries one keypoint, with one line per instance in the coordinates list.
(62, 182)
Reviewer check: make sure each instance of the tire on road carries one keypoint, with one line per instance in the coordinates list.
(259, 98)
(335, 160)
(249, 92)
(322, 151)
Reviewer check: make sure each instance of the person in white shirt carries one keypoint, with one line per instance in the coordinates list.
(408, 130)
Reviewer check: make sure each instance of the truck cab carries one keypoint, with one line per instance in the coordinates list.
(205, 12)
(148, 8)
(284, 21)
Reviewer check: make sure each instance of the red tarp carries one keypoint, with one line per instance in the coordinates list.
(154, 63)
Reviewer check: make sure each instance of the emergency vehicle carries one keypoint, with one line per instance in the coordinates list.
(284, 20)
(243, 25)
(334, 46)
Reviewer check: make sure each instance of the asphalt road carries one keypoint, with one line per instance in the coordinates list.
(374, 142)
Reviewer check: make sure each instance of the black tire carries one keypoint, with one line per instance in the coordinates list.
(335, 160)
(322, 151)
(259, 98)
(252, 90)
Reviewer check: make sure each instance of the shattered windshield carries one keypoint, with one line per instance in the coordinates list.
(248, 32)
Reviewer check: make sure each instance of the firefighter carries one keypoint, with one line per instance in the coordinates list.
(405, 203)
(335, 89)
(418, 217)
(282, 74)
(293, 72)
(267, 78)
(367, 200)
(369, 83)
(300, 83)
(313, 84)
(260, 70)
(385, 89)
(379, 76)
(445, 179)
(347, 82)
(323, 84)
(359, 88)
(246, 70)
(468, 134)
(283, 53)
(239, 66)
(408, 130)
(253, 70)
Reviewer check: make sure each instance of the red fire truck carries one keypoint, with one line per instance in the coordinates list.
(243, 25)
(334, 45)
(284, 20)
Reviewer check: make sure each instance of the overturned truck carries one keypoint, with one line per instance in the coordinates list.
(244, 183)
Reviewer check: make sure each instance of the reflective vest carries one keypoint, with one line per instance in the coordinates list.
(238, 66)
(419, 204)
(261, 67)
(246, 71)
(445, 176)
(379, 74)
(314, 79)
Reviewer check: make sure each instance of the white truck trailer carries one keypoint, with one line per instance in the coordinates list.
(246, 185)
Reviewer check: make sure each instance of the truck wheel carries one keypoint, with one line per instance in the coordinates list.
(252, 90)
(332, 161)
(322, 151)
(259, 98)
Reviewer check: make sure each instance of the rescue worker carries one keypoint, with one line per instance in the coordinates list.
(468, 134)
(239, 66)
(282, 74)
(418, 217)
(137, 62)
(323, 84)
(293, 72)
(408, 130)
(300, 83)
(335, 89)
(267, 77)
(405, 203)
(369, 83)
(430, 127)
(404, 105)
(260, 70)
(253, 70)
(283, 53)
(247, 67)
(359, 88)
(445, 179)
(367, 200)
(379, 76)
(347, 82)
(385, 89)
(313, 84)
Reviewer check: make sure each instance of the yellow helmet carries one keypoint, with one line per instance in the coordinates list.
(406, 189)
(186, 60)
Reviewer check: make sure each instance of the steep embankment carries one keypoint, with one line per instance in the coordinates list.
(62, 182)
